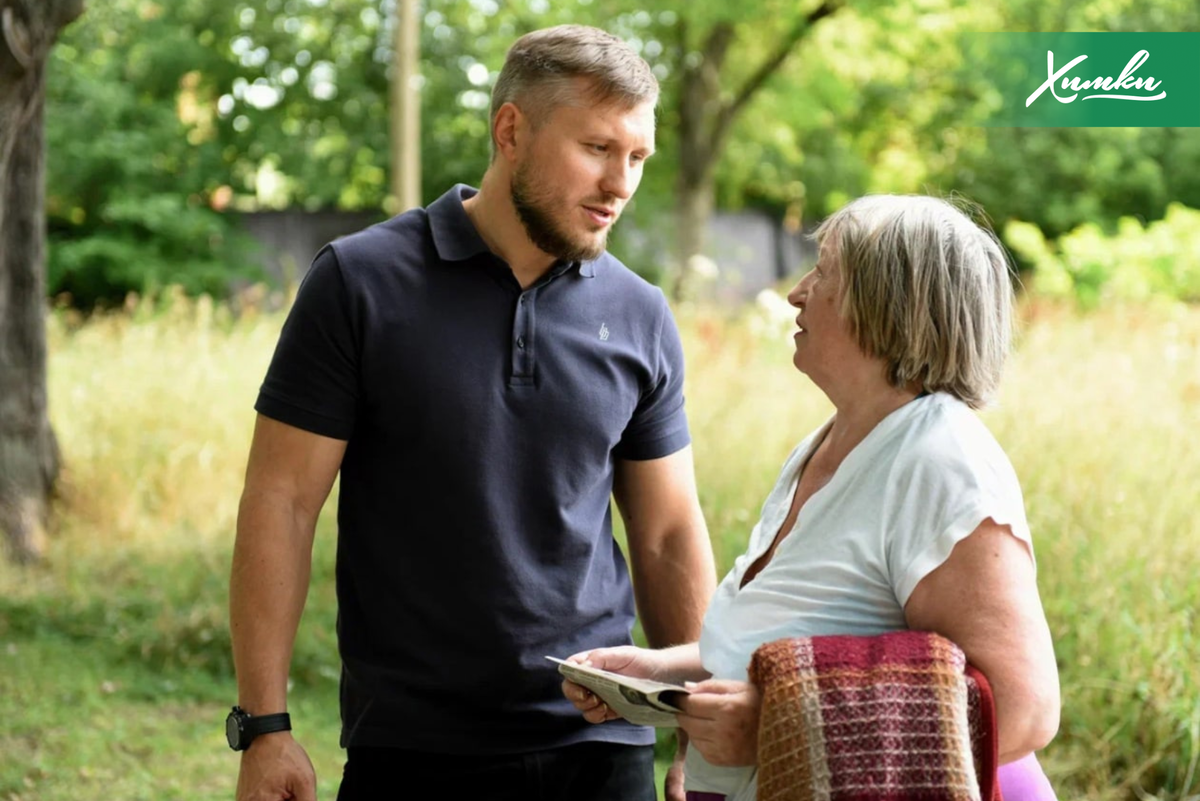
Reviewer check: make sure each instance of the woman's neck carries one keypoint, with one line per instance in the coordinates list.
(857, 416)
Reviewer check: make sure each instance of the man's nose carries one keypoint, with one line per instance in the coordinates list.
(619, 179)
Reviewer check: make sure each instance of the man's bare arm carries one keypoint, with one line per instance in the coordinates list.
(669, 550)
(671, 557)
(288, 478)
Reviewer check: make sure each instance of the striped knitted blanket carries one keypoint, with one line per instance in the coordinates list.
(896, 717)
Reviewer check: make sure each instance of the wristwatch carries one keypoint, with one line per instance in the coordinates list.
(241, 727)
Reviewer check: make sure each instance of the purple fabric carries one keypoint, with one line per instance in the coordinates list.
(1024, 780)
(696, 795)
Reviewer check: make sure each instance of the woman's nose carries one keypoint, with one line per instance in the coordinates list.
(798, 293)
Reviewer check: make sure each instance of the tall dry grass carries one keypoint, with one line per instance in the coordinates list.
(1099, 413)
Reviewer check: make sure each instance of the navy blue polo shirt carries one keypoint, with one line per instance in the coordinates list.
(482, 423)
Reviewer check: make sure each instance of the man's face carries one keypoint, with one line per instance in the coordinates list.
(577, 171)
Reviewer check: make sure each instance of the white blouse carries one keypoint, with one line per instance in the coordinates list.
(924, 478)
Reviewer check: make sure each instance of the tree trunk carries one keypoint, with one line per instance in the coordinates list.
(706, 115)
(699, 146)
(404, 110)
(693, 209)
(29, 458)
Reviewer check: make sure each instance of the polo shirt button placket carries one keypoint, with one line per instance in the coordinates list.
(522, 352)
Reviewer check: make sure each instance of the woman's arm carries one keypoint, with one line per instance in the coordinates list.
(984, 598)
(673, 665)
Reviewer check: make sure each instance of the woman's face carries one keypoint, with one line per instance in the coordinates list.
(824, 343)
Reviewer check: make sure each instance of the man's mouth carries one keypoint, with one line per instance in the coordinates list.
(601, 214)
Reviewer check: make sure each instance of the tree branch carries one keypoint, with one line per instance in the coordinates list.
(717, 47)
(27, 31)
(729, 111)
(16, 38)
(68, 11)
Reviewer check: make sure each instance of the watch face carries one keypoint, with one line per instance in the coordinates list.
(233, 731)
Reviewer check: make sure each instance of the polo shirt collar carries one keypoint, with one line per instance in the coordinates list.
(455, 237)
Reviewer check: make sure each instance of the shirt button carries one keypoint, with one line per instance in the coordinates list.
(521, 343)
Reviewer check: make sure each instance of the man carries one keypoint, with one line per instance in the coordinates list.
(485, 376)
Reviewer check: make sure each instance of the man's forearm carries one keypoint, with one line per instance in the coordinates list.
(272, 562)
(674, 583)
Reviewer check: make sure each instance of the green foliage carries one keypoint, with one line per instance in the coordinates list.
(128, 183)
(162, 112)
(1140, 262)
(1060, 178)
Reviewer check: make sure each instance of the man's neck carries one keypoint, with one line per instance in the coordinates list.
(495, 218)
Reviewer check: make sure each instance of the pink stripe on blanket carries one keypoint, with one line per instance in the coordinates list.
(896, 716)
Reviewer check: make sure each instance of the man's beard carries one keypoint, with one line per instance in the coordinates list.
(543, 230)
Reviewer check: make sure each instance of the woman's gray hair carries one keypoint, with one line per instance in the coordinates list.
(542, 69)
(926, 289)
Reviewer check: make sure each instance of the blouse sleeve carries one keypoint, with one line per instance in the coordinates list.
(939, 497)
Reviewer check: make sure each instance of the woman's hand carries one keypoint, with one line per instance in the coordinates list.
(721, 721)
(627, 660)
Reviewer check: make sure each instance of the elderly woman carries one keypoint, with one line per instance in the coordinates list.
(900, 512)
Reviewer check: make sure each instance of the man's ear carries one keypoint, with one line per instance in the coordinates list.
(508, 128)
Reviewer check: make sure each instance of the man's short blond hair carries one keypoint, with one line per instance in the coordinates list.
(571, 65)
(926, 289)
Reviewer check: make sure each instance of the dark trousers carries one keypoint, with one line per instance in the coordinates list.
(583, 772)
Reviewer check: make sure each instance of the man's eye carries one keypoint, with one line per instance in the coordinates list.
(598, 148)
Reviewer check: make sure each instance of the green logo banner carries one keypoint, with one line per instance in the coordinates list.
(1075, 80)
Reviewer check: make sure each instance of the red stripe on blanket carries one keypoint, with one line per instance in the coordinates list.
(896, 717)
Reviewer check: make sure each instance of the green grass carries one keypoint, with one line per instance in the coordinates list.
(114, 667)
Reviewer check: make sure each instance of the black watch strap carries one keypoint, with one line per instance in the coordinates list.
(241, 728)
(266, 724)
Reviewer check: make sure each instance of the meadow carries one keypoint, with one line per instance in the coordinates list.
(114, 654)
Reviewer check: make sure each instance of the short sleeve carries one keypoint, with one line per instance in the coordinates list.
(940, 502)
(312, 382)
(659, 424)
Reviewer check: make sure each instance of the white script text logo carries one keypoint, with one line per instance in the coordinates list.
(1125, 82)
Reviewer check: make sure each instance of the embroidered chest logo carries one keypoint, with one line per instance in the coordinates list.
(603, 332)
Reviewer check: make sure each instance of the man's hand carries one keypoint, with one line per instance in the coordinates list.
(673, 783)
(720, 718)
(276, 768)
